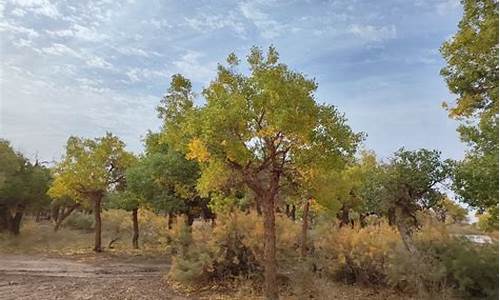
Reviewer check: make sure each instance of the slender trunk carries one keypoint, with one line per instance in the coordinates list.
(61, 217)
(292, 212)
(170, 220)
(344, 216)
(257, 207)
(135, 238)
(406, 232)
(97, 215)
(55, 213)
(270, 277)
(16, 222)
(305, 225)
(287, 210)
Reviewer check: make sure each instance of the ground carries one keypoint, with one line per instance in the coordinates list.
(102, 277)
(105, 276)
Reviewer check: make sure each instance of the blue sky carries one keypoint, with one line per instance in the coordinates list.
(87, 67)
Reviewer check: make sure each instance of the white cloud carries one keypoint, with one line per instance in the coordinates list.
(144, 74)
(372, 33)
(447, 6)
(60, 50)
(190, 66)
(80, 32)
(206, 23)
(18, 29)
(268, 27)
(39, 7)
(98, 62)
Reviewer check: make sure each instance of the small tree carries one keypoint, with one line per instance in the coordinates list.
(90, 169)
(23, 186)
(410, 183)
(259, 129)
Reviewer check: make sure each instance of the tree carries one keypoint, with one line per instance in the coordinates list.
(410, 183)
(166, 180)
(23, 187)
(90, 169)
(472, 74)
(259, 129)
(448, 211)
(129, 201)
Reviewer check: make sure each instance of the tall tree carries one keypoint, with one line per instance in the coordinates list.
(90, 169)
(472, 74)
(259, 129)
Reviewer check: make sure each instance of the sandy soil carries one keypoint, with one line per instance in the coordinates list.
(101, 277)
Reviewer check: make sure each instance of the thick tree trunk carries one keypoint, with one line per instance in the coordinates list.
(305, 225)
(61, 217)
(135, 221)
(97, 215)
(270, 277)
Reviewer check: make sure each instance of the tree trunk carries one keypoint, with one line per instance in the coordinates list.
(135, 238)
(344, 216)
(97, 215)
(292, 212)
(257, 207)
(305, 225)
(16, 222)
(61, 217)
(405, 232)
(170, 220)
(270, 281)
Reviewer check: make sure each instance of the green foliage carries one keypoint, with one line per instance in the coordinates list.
(23, 187)
(472, 74)
(165, 179)
(472, 60)
(410, 183)
(90, 167)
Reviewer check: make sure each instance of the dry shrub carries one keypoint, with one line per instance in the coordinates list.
(232, 248)
(355, 255)
(117, 226)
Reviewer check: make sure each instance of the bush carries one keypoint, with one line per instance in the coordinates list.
(232, 248)
(355, 255)
(80, 221)
(446, 262)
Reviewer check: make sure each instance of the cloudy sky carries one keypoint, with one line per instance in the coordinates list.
(87, 67)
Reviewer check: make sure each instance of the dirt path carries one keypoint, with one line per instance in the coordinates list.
(101, 277)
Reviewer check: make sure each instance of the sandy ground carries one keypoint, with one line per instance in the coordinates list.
(101, 277)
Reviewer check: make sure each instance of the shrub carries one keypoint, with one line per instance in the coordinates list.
(232, 248)
(355, 255)
(80, 221)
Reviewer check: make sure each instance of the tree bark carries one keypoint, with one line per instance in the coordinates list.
(16, 222)
(170, 220)
(305, 225)
(97, 216)
(135, 238)
(257, 207)
(344, 216)
(270, 277)
(292, 212)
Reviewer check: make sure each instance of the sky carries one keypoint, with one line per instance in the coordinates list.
(76, 67)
